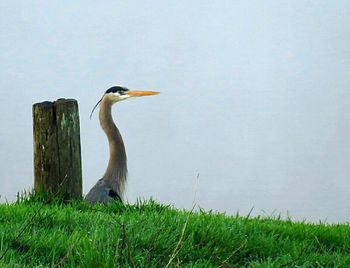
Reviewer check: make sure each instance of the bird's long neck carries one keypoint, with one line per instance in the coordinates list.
(116, 171)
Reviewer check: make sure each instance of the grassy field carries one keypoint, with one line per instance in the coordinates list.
(33, 234)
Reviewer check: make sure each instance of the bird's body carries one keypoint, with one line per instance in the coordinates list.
(111, 186)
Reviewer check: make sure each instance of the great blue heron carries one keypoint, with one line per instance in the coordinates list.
(111, 186)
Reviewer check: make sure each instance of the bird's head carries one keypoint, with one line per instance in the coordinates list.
(119, 93)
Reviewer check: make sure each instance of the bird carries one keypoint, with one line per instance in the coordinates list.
(112, 184)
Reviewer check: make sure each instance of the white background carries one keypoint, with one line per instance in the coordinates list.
(254, 98)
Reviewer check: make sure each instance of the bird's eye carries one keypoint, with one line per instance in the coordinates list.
(121, 93)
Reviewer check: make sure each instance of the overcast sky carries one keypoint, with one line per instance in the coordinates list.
(254, 98)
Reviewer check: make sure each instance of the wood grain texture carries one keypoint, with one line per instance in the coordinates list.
(57, 151)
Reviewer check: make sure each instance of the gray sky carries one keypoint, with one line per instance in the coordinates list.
(254, 98)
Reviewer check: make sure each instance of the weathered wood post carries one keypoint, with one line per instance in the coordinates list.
(57, 153)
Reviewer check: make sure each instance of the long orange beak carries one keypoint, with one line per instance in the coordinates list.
(139, 93)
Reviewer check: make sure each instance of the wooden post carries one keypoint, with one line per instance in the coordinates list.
(57, 153)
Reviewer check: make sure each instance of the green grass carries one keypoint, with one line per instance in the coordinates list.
(33, 234)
